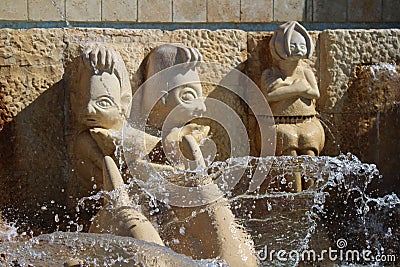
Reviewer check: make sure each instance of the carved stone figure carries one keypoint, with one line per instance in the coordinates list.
(207, 234)
(100, 94)
(212, 230)
(291, 90)
(101, 101)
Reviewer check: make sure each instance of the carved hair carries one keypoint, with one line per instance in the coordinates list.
(163, 57)
(280, 41)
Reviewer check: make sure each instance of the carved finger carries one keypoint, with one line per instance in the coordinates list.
(93, 56)
(108, 60)
(194, 54)
(200, 58)
(88, 50)
(115, 59)
(102, 57)
(187, 54)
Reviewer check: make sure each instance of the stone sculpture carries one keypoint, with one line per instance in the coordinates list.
(291, 90)
(101, 102)
(212, 231)
(207, 234)
(100, 96)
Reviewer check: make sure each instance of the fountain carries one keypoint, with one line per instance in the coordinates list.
(163, 158)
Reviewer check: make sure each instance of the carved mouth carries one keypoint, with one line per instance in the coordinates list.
(91, 122)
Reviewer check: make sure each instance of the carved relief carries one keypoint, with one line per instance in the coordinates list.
(291, 90)
(212, 231)
(100, 95)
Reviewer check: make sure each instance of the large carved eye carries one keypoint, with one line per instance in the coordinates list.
(188, 95)
(104, 102)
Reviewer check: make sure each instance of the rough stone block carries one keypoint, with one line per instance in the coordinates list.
(256, 11)
(342, 50)
(190, 11)
(44, 10)
(154, 10)
(223, 11)
(329, 11)
(22, 85)
(364, 11)
(285, 10)
(83, 10)
(14, 10)
(31, 47)
(125, 10)
(390, 10)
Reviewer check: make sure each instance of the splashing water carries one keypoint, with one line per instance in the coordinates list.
(8, 232)
(337, 207)
(61, 13)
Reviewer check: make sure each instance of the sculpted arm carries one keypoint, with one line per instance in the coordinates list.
(277, 89)
(312, 92)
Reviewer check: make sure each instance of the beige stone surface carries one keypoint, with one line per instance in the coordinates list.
(33, 64)
(256, 10)
(14, 10)
(33, 49)
(223, 11)
(204, 11)
(83, 10)
(341, 51)
(364, 11)
(190, 11)
(329, 11)
(154, 10)
(43, 10)
(390, 10)
(286, 10)
(125, 10)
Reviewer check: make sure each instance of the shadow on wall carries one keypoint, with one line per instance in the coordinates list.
(5, 114)
(33, 163)
(369, 124)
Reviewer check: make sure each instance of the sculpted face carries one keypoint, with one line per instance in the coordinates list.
(298, 46)
(187, 99)
(104, 106)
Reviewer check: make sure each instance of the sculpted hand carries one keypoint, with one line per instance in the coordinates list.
(101, 57)
(104, 139)
(190, 54)
(174, 139)
(199, 132)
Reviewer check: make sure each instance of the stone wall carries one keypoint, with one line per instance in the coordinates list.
(209, 11)
(356, 69)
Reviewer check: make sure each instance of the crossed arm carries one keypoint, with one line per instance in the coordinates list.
(278, 88)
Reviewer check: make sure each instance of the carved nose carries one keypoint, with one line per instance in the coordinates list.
(200, 107)
(90, 109)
